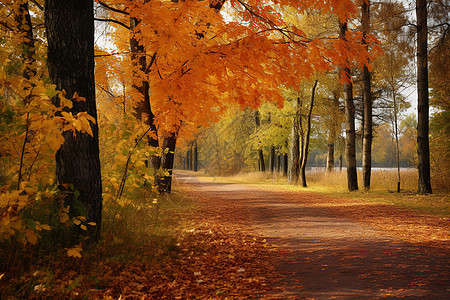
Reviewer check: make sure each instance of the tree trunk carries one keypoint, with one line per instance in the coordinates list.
(367, 98)
(294, 163)
(285, 164)
(261, 165)
(272, 159)
(191, 164)
(423, 147)
(333, 132)
(330, 156)
(350, 152)
(278, 163)
(195, 157)
(167, 159)
(142, 107)
(70, 35)
(25, 29)
(397, 149)
(305, 143)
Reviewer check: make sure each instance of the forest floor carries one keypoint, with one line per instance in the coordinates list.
(322, 247)
(216, 240)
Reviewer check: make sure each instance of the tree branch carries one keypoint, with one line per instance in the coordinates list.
(114, 21)
(152, 61)
(112, 8)
(125, 171)
(38, 5)
(6, 25)
(111, 54)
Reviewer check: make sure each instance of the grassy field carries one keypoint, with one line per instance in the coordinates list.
(383, 188)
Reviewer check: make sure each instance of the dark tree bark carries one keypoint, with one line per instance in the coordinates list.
(350, 152)
(195, 157)
(278, 163)
(272, 159)
(70, 36)
(330, 155)
(167, 159)
(332, 133)
(25, 29)
(367, 98)
(423, 147)
(305, 143)
(397, 149)
(142, 109)
(285, 164)
(191, 163)
(294, 164)
(188, 166)
(261, 164)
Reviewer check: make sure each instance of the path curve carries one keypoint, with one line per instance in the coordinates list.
(321, 254)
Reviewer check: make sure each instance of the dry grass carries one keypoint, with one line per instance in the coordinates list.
(383, 187)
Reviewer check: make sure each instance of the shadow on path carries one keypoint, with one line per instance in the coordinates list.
(323, 255)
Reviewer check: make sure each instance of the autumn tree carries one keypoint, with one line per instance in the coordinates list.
(240, 60)
(349, 120)
(393, 74)
(367, 100)
(439, 91)
(305, 136)
(70, 36)
(423, 147)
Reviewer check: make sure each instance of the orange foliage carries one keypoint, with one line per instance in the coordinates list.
(207, 59)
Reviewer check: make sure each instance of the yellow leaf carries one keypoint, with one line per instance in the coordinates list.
(83, 227)
(46, 227)
(31, 237)
(64, 218)
(92, 223)
(74, 252)
(76, 222)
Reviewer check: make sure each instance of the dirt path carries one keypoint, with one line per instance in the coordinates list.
(322, 254)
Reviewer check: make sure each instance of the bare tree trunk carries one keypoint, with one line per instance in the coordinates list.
(278, 163)
(423, 147)
(191, 164)
(70, 35)
(332, 134)
(305, 143)
(261, 165)
(25, 29)
(285, 164)
(142, 108)
(397, 149)
(367, 98)
(272, 159)
(167, 158)
(352, 179)
(294, 163)
(195, 157)
(330, 155)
